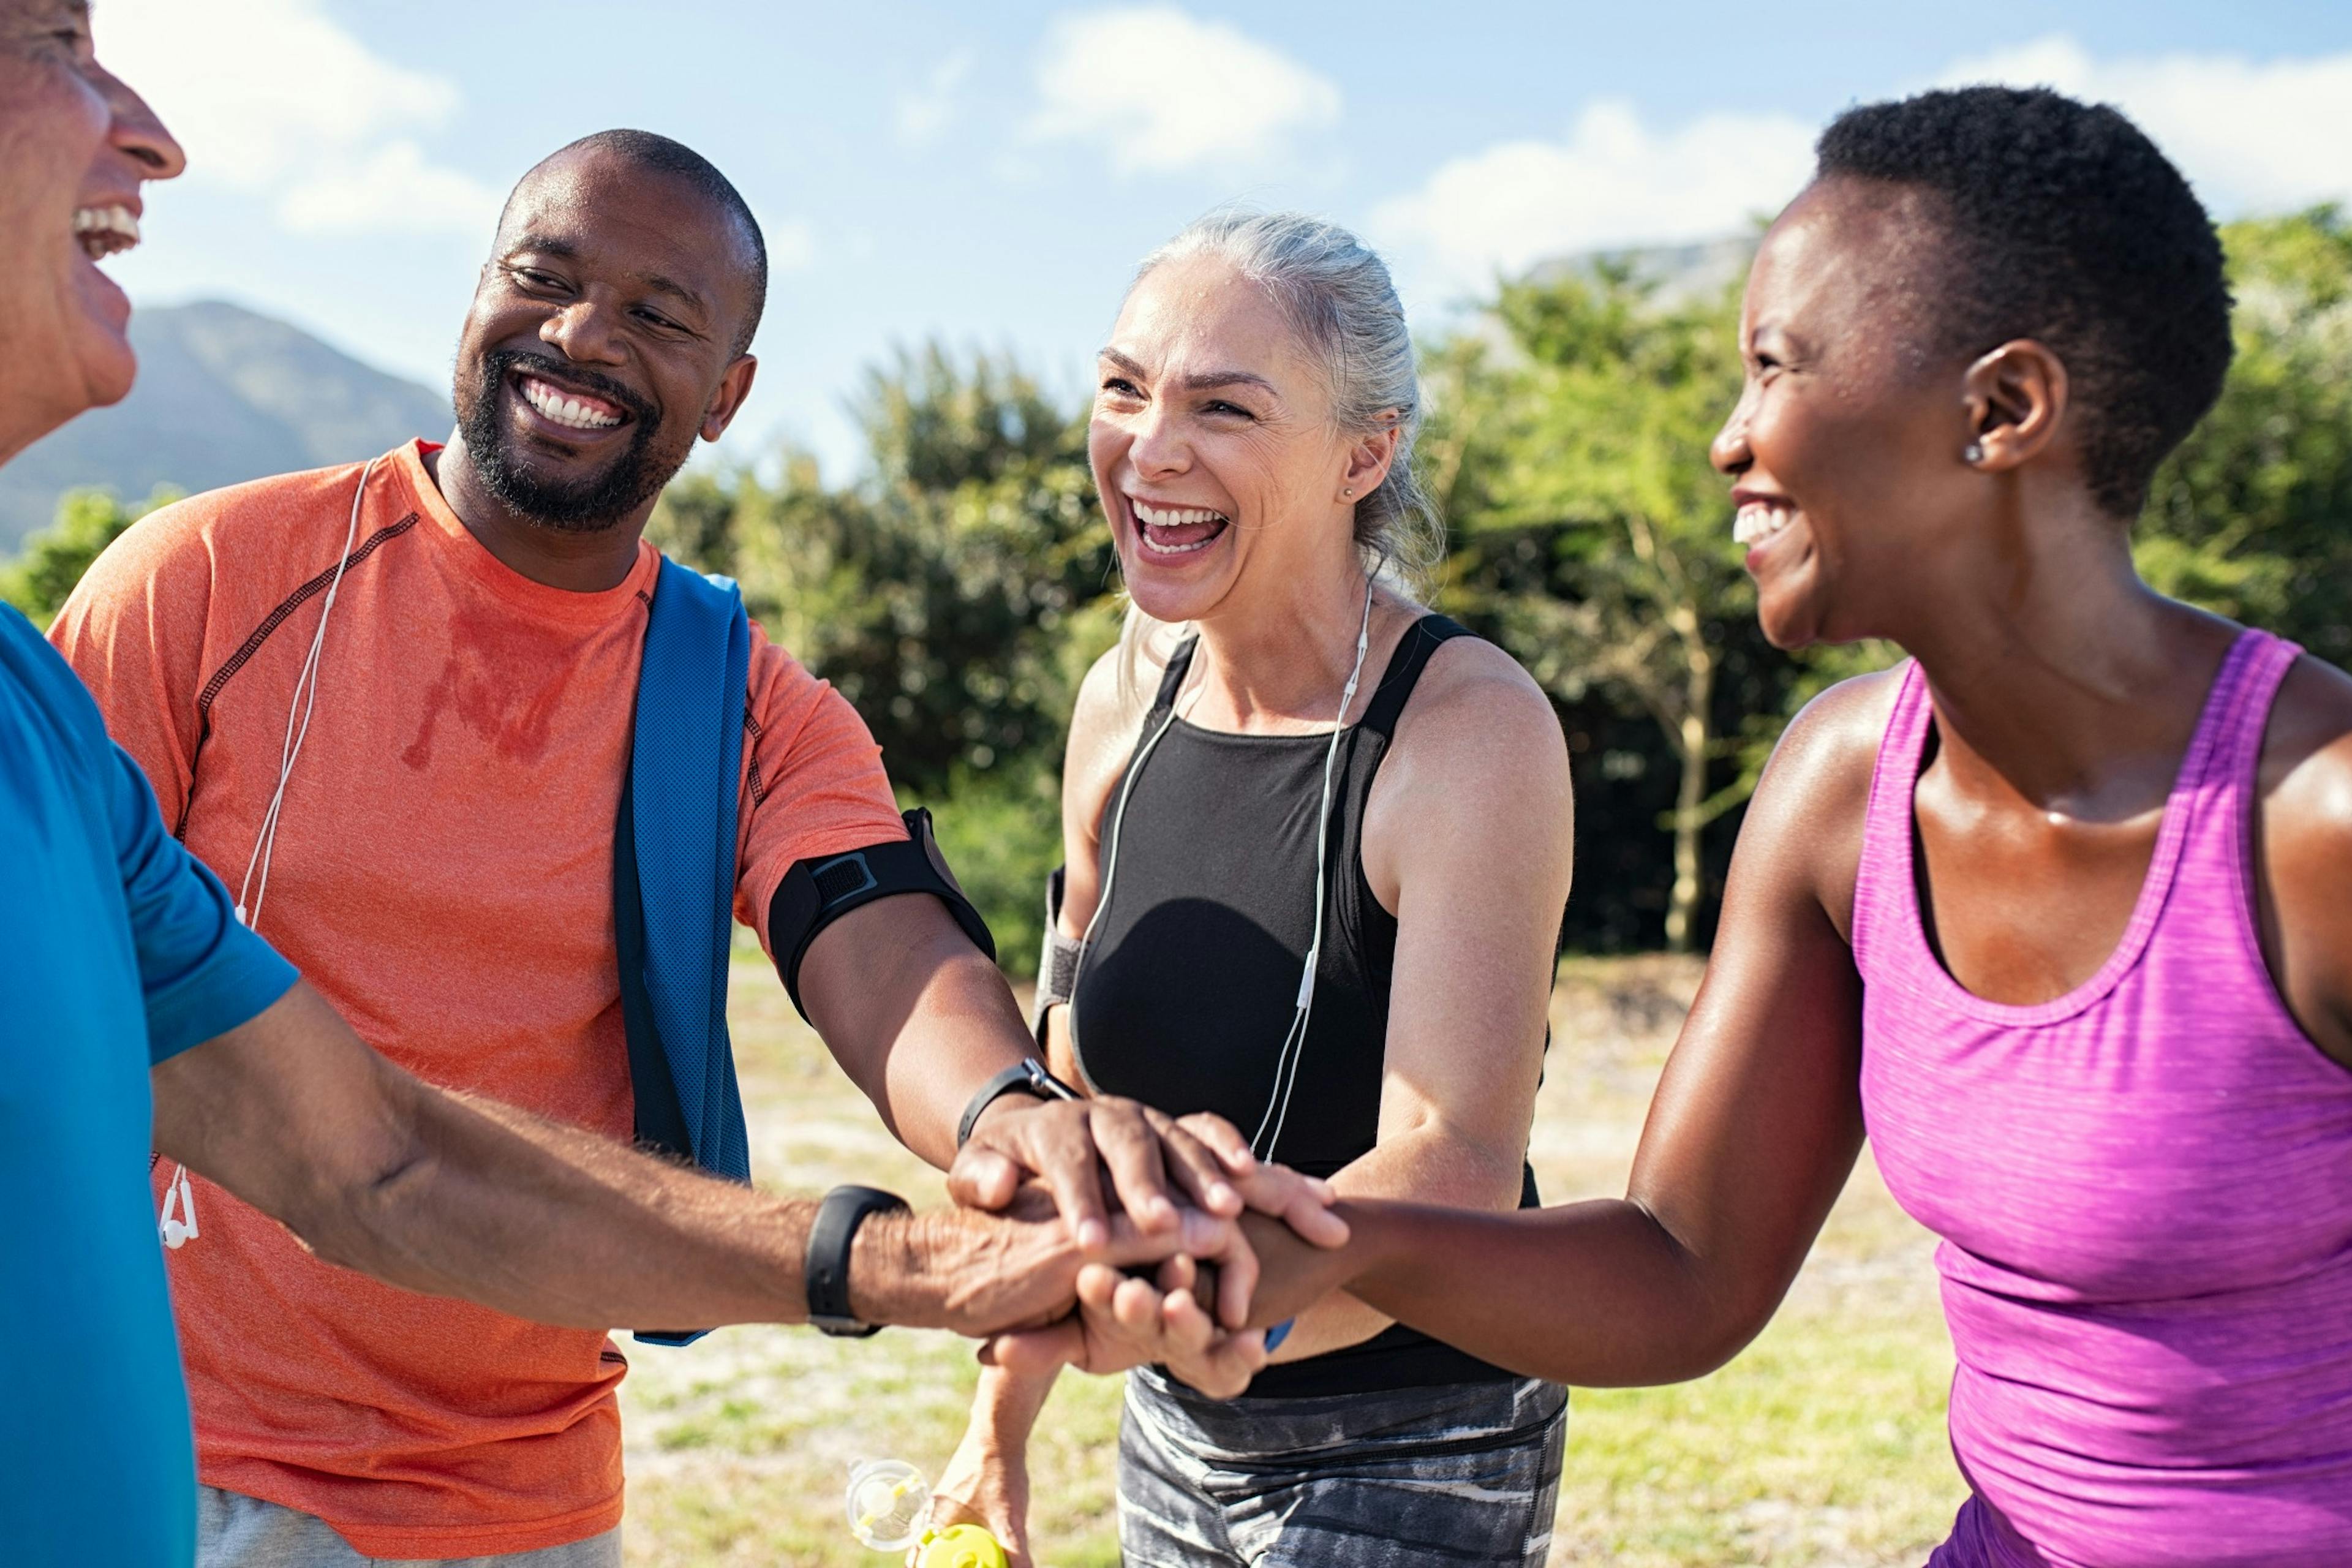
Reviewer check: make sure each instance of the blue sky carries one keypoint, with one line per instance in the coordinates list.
(989, 174)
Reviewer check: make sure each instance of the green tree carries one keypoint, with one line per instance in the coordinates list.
(54, 559)
(954, 594)
(1571, 449)
(2249, 517)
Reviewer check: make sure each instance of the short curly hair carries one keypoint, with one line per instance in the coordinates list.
(2067, 226)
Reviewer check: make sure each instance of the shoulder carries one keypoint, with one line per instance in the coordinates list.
(2305, 824)
(1470, 687)
(1118, 686)
(1109, 713)
(1479, 736)
(1804, 828)
(1830, 748)
(258, 513)
(783, 697)
(249, 540)
(55, 696)
(2306, 766)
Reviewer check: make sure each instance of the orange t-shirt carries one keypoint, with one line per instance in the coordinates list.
(442, 872)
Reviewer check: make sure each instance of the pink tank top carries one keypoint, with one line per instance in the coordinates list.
(2144, 1192)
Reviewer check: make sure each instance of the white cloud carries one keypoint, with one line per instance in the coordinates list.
(272, 97)
(2250, 137)
(1160, 91)
(396, 188)
(1611, 181)
(922, 112)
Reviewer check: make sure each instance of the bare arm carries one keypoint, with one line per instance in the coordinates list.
(921, 1019)
(914, 1013)
(424, 1189)
(1755, 1128)
(2304, 820)
(1469, 836)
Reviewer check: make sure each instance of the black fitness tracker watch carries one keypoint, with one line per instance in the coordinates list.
(824, 1273)
(1027, 1076)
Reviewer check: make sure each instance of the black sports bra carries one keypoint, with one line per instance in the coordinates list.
(1191, 977)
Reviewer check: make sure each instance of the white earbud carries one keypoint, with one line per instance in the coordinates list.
(179, 1229)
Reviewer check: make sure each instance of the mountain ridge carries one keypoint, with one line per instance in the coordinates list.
(224, 394)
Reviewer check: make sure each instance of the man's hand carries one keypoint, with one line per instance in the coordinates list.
(980, 1274)
(1160, 1166)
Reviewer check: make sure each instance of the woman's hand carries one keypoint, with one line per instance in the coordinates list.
(985, 1483)
(1124, 1320)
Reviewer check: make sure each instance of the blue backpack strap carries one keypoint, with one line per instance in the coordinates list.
(674, 874)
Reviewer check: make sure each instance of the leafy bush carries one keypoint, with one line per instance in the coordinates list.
(55, 558)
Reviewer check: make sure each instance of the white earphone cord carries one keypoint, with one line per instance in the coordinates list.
(178, 1229)
(265, 843)
(1293, 1044)
(1294, 1040)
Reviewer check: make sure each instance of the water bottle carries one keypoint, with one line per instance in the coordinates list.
(889, 1502)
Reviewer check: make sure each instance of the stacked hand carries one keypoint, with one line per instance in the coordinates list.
(1146, 1235)
(1179, 1190)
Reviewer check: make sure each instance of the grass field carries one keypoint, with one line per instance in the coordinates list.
(1822, 1446)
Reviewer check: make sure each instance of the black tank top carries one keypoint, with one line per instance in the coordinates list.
(1192, 978)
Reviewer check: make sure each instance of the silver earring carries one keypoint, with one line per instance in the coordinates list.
(1975, 454)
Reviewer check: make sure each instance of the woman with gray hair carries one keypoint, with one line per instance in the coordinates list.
(1318, 844)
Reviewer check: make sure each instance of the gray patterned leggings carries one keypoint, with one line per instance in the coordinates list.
(1468, 1473)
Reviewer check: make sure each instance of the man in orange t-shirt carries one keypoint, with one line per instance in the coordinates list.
(442, 866)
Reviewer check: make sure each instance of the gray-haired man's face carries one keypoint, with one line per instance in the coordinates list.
(76, 146)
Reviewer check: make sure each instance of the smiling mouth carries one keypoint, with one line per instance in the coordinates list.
(1759, 521)
(105, 231)
(1177, 529)
(572, 410)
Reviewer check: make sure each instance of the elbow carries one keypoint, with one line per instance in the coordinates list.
(1715, 1340)
(354, 1211)
(358, 1224)
(1720, 1314)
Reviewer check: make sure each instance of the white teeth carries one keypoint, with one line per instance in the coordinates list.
(1758, 521)
(1174, 516)
(103, 231)
(566, 410)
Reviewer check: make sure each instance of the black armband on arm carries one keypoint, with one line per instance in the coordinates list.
(816, 893)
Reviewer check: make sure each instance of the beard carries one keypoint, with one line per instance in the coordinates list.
(587, 505)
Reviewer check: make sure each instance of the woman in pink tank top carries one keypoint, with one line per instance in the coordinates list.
(2055, 911)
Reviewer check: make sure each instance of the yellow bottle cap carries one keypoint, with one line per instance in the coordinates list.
(961, 1546)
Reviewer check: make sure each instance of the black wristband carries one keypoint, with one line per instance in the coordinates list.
(824, 1272)
(1027, 1076)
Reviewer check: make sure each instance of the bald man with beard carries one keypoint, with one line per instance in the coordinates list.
(137, 1011)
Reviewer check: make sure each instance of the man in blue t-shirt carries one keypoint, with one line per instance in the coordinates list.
(111, 934)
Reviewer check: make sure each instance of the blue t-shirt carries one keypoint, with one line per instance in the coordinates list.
(117, 950)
